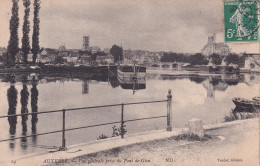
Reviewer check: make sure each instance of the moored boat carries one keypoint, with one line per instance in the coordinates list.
(155, 65)
(166, 66)
(131, 71)
(245, 105)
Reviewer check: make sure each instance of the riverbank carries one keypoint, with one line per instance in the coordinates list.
(58, 69)
(232, 143)
(204, 70)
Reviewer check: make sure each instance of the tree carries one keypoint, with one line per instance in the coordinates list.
(59, 59)
(232, 58)
(36, 30)
(198, 59)
(93, 57)
(26, 29)
(241, 60)
(174, 57)
(117, 52)
(13, 44)
(169, 57)
(215, 59)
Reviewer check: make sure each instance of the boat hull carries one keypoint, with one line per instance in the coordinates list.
(245, 105)
(123, 75)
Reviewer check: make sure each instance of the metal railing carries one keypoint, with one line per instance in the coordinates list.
(63, 146)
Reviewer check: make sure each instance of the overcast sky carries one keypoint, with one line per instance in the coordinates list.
(155, 25)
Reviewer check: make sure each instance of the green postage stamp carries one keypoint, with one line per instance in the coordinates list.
(241, 20)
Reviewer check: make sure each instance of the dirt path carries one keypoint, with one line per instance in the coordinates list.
(233, 145)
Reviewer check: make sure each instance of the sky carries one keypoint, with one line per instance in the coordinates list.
(165, 25)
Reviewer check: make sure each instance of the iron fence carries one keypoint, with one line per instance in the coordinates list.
(122, 121)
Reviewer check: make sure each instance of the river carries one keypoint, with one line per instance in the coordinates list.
(207, 97)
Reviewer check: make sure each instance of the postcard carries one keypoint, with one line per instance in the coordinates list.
(129, 82)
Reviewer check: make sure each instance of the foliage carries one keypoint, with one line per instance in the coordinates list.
(174, 57)
(36, 30)
(118, 131)
(102, 137)
(5, 58)
(101, 53)
(198, 59)
(86, 52)
(93, 57)
(59, 59)
(234, 115)
(232, 58)
(192, 137)
(115, 131)
(215, 59)
(26, 29)
(229, 118)
(241, 61)
(117, 52)
(13, 44)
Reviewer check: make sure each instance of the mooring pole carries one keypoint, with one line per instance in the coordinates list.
(169, 111)
(63, 147)
(122, 120)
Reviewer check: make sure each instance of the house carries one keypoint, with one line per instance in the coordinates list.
(43, 59)
(44, 52)
(51, 53)
(19, 57)
(70, 59)
(101, 59)
(109, 59)
(30, 57)
(85, 60)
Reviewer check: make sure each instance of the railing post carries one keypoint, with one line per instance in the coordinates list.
(122, 120)
(169, 111)
(63, 147)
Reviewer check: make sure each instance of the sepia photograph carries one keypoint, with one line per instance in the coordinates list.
(129, 82)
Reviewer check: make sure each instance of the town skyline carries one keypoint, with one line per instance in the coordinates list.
(150, 26)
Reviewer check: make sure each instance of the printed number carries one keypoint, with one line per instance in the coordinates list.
(229, 33)
(13, 161)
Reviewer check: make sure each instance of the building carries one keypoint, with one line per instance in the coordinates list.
(85, 43)
(213, 47)
(94, 49)
(85, 59)
(48, 55)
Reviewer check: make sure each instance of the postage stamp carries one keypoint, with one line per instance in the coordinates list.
(241, 20)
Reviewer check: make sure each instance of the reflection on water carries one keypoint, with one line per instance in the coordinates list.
(12, 103)
(34, 105)
(207, 97)
(24, 110)
(133, 84)
(85, 86)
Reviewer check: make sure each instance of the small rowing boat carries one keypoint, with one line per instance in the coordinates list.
(245, 105)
